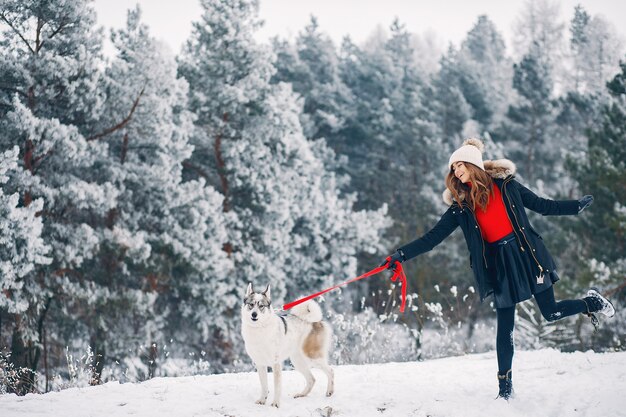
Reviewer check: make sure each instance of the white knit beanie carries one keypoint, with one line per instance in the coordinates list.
(471, 151)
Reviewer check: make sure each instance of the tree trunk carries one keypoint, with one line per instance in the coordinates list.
(21, 361)
(45, 360)
(217, 147)
(97, 344)
(152, 360)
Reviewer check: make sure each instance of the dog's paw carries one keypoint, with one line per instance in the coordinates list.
(300, 395)
(329, 393)
(276, 404)
(261, 401)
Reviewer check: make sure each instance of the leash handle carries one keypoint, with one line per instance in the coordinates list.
(398, 272)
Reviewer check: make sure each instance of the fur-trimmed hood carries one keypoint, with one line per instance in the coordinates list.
(499, 168)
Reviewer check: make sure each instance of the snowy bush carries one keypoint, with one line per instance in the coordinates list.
(532, 331)
(364, 338)
(10, 375)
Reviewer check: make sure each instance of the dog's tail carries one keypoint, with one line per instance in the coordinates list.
(308, 311)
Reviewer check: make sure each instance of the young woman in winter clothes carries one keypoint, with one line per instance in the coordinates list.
(507, 255)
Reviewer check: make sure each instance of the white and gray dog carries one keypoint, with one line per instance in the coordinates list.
(270, 338)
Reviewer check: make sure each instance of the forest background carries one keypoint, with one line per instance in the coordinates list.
(142, 192)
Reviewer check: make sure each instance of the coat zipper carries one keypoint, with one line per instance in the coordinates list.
(540, 277)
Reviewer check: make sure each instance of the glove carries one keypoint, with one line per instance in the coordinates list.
(397, 256)
(584, 202)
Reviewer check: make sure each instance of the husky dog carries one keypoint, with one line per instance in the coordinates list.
(270, 338)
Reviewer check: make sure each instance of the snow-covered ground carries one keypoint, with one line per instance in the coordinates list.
(547, 383)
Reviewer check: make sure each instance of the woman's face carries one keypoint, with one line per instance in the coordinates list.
(460, 171)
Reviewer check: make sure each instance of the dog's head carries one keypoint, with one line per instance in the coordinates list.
(257, 307)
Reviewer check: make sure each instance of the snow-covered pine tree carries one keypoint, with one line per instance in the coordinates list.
(602, 229)
(21, 250)
(531, 118)
(486, 74)
(451, 110)
(321, 233)
(364, 139)
(50, 103)
(579, 42)
(417, 147)
(595, 51)
(50, 59)
(538, 31)
(161, 241)
(392, 125)
(228, 74)
(529, 130)
(532, 331)
(291, 228)
(21, 245)
(311, 65)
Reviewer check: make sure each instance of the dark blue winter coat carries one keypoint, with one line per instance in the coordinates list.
(515, 197)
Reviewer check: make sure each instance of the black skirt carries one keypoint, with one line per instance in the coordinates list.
(513, 273)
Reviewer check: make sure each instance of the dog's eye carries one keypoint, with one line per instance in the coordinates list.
(261, 307)
(250, 306)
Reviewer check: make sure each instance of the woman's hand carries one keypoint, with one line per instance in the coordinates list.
(397, 256)
(584, 202)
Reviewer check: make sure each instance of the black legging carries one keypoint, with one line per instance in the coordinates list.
(550, 310)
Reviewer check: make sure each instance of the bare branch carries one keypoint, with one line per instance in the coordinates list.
(38, 160)
(121, 124)
(13, 89)
(197, 169)
(62, 26)
(40, 24)
(616, 289)
(4, 18)
(124, 148)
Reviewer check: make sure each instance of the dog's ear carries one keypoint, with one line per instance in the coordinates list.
(267, 292)
(249, 291)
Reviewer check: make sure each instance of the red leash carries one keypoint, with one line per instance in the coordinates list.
(398, 272)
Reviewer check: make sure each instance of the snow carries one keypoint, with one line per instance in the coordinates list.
(546, 382)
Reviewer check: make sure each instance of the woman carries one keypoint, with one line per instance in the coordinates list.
(507, 255)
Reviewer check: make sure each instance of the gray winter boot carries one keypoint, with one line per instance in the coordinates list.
(505, 383)
(596, 303)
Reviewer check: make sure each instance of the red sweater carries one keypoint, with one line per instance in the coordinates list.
(494, 222)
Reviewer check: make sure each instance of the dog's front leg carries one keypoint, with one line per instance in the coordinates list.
(277, 370)
(262, 371)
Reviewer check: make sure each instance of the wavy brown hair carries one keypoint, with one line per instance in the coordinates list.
(479, 194)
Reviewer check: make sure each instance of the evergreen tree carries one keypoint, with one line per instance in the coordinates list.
(601, 174)
(595, 48)
(485, 73)
(161, 242)
(450, 108)
(539, 31)
(50, 104)
(311, 65)
(579, 42)
(395, 146)
(528, 133)
(289, 227)
(600, 244)
(22, 247)
(392, 124)
(22, 250)
(50, 57)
